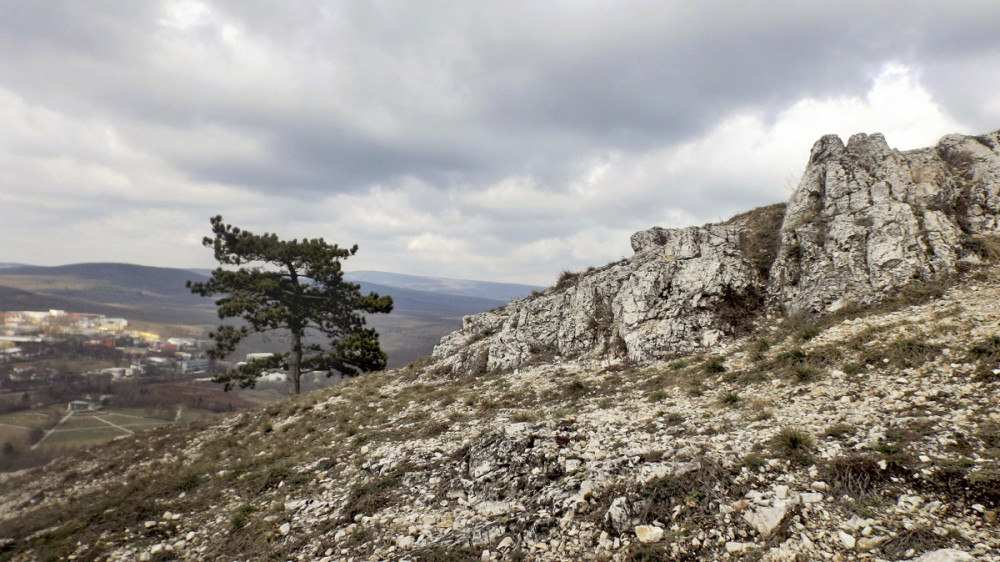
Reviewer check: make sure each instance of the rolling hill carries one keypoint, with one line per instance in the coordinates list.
(425, 308)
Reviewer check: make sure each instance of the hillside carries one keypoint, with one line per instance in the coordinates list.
(153, 294)
(502, 292)
(810, 381)
(873, 435)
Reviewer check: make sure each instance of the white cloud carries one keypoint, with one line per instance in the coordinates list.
(507, 142)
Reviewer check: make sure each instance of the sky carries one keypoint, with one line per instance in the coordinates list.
(503, 141)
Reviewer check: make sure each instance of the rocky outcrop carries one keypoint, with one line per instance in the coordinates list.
(866, 219)
(683, 290)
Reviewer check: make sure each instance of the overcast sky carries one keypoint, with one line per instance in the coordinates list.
(486, 140)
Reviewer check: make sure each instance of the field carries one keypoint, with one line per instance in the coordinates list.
(72, 430)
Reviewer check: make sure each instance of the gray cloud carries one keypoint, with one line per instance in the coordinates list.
(542, 127)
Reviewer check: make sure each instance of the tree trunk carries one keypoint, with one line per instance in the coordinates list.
(295, 361)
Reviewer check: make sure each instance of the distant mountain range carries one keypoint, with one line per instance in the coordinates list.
(426, 308)
(504, 292)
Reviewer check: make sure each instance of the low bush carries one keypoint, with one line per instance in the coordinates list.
(793, 444)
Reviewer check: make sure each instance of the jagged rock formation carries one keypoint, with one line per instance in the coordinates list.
(682, 290)
(865, 221)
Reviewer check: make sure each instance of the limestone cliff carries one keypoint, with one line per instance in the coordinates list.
(683, 289)
(865, 221)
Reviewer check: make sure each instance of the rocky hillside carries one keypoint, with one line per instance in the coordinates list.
(865, 222)
(874, 436)
(688, 409)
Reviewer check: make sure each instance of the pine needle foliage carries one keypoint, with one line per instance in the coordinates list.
(296, 287)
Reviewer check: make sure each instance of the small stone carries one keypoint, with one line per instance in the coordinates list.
(149, 524)
(156, 549)
(945, 555)
(767, 519)
(485, 557)
(506, 543)
(781, 492)
(846, 539)
(812, 497)
(733, 547)
(865, 544)
(819, 486)
(404, 541)
(285, 528)
(648, 533)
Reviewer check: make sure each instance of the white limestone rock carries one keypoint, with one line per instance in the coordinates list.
(648, 533)
(670, 297)
(945, 555)
(866, 219)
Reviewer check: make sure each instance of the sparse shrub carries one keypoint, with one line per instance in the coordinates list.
(561, 413)
(753, 461)
(730, 398)
(851, 368)
(376, 493)
(673, 418)
(794, 444)
(715, 365)
(919, 539)
(653, 455)
(760, 241)
(985, 484)
(809, 332)
(988, 348)
(639, 552)
(575, 390)
(738, 309)
(657, 395)
(804, 373)
(678, 365)
(446, 554)
(840, 430)
(987, 248)
(911, 352)
(567, 279)
(858, 475)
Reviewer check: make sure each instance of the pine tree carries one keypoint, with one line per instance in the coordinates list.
(295, 287)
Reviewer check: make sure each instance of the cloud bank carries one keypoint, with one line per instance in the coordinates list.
(468, 139)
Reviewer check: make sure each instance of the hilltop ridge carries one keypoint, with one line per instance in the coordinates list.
(865, 222)
(691, 402)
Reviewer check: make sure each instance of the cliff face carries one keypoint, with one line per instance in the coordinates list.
(865, 221)
(682, 290)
